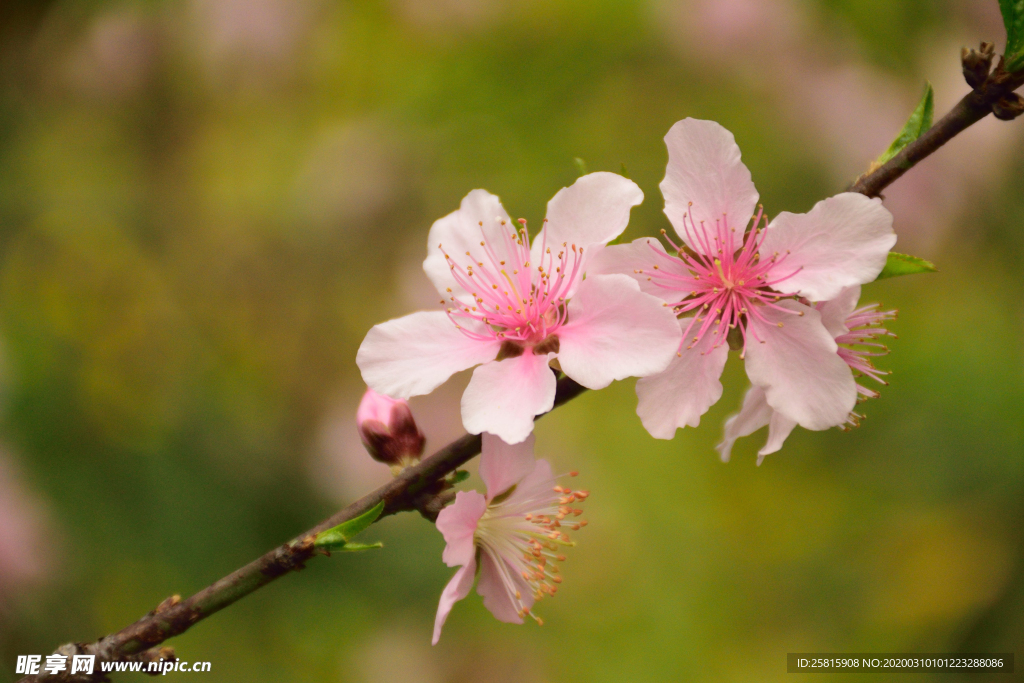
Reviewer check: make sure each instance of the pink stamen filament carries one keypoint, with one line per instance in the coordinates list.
(514, 299)
(728, 280)
(859, 345)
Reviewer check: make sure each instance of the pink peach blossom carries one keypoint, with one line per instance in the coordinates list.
(512, 307)
(513, 534)
(748, 285)
(856, 333)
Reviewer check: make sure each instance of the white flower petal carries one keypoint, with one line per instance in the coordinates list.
(504, 396)
(690, 385)
(637, 260)
(843, 241)
(615, 331)
(415, 354)
(797, 366)
(478, 219)
(502, 465)
(704, 169)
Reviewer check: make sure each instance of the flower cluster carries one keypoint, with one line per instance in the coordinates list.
(739, 280)
(521, 309)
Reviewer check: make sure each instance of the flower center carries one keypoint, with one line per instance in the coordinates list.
(524, 538)
(512, 299)
(726, 280)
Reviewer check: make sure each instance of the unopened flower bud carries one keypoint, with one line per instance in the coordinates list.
(389, 431)
(977, 64)
(1008, 107)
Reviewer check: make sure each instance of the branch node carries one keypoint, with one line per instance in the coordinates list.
(977, 64)
(1008, 107)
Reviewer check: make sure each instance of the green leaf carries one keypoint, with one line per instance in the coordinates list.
(337, 538)
(458, 476)
(902, 264)
(918, 123)
(581, 166)
(359, 547)
(1013, 18)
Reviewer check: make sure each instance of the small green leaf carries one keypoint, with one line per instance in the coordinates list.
(337, 537)
(902, 264)
(1013, 18)
(359, 547)
(458, 476)
(918, 123)
(330, 540)
(502, 497)
(581, 166)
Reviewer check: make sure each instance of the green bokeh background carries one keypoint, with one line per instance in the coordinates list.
(193, 245)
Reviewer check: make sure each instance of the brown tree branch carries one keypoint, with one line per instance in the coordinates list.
(975, 106)
(418, 486)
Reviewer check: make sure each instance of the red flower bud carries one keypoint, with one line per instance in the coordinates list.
(388, 430)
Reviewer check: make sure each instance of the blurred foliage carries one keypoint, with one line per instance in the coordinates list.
(205, 205)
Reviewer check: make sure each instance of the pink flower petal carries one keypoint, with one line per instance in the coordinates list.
(797, 366)
(593, 210)
(779, 430)
(415, 354)
(456, 590)
(496, 586)
(754, 414)
(704, 168)
(502, 465)
(477, 219)
(376, 407)
(615, 331)
(537, 487)
(637, 260)
(844, 240)
(504, 396)
(457, 523)
(690, 385)
(835, 311)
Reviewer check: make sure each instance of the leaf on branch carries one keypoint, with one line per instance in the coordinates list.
(337, 538)
(457, 477)
(916, 125)
(903, 264)
(1013, 18)
(581, 166)
(359, 547)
